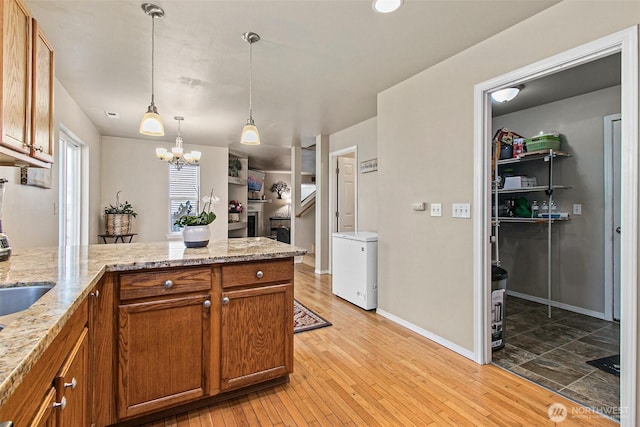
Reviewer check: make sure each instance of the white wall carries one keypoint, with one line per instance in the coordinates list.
(425, 146)
(364, 135)
(577, 245)
(30, 216)
(131, 165)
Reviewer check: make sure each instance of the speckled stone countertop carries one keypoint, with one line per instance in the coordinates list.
(74, 273)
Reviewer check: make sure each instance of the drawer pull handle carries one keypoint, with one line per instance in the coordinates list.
(95, 294)
(73, 384)
(62, 404)
(225, 300)
(206, 304)
(168, 284)
(259, 274)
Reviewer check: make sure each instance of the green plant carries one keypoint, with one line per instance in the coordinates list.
(205, 217)
(120, 208)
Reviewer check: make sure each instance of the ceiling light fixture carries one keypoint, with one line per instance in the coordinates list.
(506, 94)
(250, 134)
(386, 6)
(151, 123)
(177, 156)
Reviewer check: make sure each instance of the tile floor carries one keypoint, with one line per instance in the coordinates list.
(553, 352)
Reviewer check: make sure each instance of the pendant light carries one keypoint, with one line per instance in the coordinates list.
(177, 156)
(151, 123)
(250, 135)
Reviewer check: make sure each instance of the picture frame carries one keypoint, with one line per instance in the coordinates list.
(369, 166)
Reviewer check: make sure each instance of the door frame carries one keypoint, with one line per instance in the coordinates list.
(608, 214)
(626, 43)
(333, 158)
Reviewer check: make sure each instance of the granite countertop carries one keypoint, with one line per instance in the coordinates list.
(75, 270)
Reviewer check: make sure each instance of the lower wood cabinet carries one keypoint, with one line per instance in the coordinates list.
(164, 343)
(256, 335)
(71, 385)
(46, 416)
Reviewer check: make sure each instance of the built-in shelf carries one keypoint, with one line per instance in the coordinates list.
(259, 201)
(237, 225)
(532, 189)
(237, 181)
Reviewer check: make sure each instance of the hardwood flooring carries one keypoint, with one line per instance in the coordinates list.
(366, 371)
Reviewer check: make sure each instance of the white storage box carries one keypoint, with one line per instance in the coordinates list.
(516, 182)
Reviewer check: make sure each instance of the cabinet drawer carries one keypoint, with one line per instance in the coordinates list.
(164, 282)
(257, 272)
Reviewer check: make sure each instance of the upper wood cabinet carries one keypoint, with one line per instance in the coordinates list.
(27, 89)
(42, 97)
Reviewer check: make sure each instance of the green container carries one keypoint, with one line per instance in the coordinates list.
(543, 142)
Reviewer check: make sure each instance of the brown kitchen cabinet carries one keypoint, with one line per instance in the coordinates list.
(47, 395)
(27, 89)
(256, 323)
(164, 339)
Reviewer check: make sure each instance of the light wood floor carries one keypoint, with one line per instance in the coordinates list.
(366, 371)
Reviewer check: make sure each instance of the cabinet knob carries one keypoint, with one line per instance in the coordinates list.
(168, 284)
(62, 404)
(206, 304)
(95, 293)
(259, 274)
(225, 300)
(73, 384)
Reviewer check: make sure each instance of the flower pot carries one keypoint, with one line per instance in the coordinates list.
(196, 236)
(234, 217)
(117, 224)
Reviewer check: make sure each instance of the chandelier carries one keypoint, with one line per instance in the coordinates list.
(177, 156)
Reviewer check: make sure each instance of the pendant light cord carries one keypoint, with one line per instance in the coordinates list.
(153, 50)
(250, 80)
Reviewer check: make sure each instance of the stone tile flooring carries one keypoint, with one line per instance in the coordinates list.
(553, 352)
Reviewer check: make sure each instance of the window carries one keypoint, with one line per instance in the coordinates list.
(184, 193)
(71, 167)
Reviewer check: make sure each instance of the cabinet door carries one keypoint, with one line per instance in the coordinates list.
(47, 414)
(102, 353)
(16, 76)
(163, 352)
(72, 384)
(256, 335)
(42, 97)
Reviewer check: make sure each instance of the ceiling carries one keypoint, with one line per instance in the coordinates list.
(317, 70)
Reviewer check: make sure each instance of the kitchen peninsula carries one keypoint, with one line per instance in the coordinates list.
(130, 331)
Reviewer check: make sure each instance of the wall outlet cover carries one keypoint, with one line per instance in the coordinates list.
(436, 209)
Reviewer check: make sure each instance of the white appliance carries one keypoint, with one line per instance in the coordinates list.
(355, 268)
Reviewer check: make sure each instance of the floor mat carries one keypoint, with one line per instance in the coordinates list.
(305, 319)
(609, 364)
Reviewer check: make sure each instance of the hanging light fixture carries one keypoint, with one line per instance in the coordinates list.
(151, 123)
(250, 135)
(177, 156)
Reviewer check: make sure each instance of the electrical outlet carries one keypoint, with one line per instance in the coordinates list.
(461, 210)
(577, 209)
(436, 209)
(419, 206)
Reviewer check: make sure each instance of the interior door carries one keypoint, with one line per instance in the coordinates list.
(346, 216)
(616, 139)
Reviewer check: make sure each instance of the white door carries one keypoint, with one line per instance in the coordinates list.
(70, 191)
(615, 262)
(346, 206)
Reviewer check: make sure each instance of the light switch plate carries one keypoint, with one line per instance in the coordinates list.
(577, 209)
(461, 210)
(436, 209)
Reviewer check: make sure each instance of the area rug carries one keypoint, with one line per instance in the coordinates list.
(609, 364)
(305, 319)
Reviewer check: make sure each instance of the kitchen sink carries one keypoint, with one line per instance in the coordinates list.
(20, 298)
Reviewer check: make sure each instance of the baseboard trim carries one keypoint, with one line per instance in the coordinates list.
(556, 304)
(322, 272)
(431, 336)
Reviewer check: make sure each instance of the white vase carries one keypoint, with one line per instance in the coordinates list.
(196, 236)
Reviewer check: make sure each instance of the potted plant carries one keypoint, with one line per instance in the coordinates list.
(117, 218)
(196, 232)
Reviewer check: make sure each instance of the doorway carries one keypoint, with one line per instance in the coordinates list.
(612, 229)
(343, 192)
(73, 206)
(626, 43)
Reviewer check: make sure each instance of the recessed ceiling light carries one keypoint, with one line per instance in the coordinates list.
(112, 115)
(386, 6)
